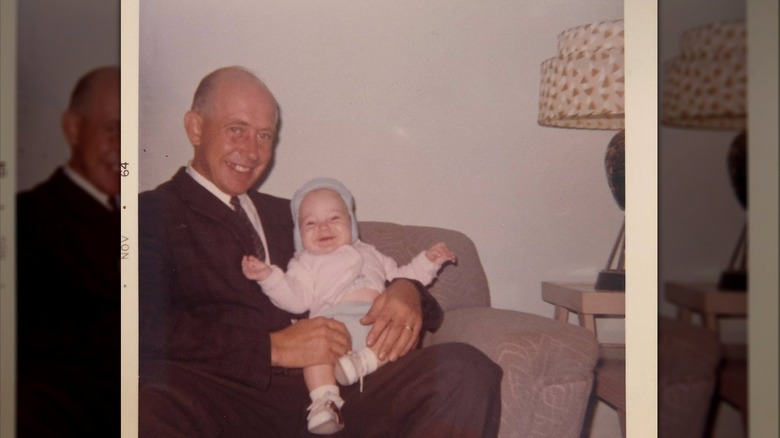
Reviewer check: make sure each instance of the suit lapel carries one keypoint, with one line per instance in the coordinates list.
(201, 201)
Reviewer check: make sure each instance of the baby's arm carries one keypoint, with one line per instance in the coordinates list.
(440, 253)
(423, 267)
(291, 291)
(254, 268)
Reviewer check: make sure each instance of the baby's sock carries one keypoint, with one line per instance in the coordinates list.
(320, 392)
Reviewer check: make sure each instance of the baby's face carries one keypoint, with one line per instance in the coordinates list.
(324, 222)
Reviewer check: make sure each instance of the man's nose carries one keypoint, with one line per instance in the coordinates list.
(251, 148)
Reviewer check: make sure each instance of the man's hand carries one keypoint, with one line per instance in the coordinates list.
(396, 316)
(308, 342)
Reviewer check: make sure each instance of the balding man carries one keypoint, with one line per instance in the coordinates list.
(68, 295)
(218, 358)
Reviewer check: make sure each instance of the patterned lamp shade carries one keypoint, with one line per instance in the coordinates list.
(706, 85)
(583, 86)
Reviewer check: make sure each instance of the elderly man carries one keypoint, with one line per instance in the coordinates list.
(218, 359)
(68, 299)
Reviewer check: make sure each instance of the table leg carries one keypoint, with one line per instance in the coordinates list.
(561, 313)
(588, 321)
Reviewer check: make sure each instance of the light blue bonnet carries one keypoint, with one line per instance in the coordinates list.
(316, 184)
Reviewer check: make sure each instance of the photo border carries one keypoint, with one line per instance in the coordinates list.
(641, 164)
(129, 229)
(763, 162)
(641, 33)
(7, 217)
(641, 161)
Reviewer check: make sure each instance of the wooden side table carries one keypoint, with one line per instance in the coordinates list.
(584, 300)
(706, 300)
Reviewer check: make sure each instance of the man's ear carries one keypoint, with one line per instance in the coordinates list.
(71, 127)
(193, 125)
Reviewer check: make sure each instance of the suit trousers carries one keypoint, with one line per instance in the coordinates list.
(447, 390)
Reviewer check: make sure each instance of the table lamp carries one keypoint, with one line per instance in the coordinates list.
(583, 87)
(705, 87)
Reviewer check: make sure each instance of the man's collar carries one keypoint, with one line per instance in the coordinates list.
(87, 186)
(211, 187)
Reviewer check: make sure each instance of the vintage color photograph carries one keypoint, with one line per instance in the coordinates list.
(453, 150)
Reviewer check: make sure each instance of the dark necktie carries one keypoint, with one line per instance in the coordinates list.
(257, 244)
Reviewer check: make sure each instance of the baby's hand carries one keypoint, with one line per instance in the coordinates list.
(254, 268)
(439, 254)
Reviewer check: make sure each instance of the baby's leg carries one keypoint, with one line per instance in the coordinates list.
(357, 364)
(361, 361)
(325, 410)
(317, 376)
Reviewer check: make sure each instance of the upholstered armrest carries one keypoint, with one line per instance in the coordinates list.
(548, 366)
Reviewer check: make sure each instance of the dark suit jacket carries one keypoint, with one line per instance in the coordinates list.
(68, 312)
(196, 307)
(68, 273)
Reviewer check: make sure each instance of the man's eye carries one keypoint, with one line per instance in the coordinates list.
(265, 137)
(236, 129)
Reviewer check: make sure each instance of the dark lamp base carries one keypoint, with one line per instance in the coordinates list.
(611, 280)
(735, 281)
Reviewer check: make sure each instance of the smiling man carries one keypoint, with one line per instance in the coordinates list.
(217, 358)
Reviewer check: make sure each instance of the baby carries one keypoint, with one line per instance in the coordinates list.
(335, 275)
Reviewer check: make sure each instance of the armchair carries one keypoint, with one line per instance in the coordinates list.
(548, 365)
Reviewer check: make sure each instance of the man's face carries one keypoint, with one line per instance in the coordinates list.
(93, 132)
(324, 222)
(234, 136)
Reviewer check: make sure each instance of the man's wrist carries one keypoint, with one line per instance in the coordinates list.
(274, 353)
